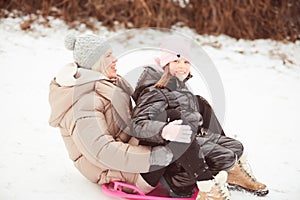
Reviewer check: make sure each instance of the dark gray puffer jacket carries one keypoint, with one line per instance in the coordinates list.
(149, 115)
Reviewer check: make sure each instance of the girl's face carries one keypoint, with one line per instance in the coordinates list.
(110, 65)
(180, 68)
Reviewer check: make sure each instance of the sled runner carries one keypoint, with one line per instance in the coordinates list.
(115, 189)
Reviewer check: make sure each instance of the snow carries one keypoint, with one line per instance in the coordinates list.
(261, 81)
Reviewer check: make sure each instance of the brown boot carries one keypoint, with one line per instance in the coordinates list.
(215, 189)
(240, 177)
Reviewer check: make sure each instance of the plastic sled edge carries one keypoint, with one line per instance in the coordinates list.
(114, 189)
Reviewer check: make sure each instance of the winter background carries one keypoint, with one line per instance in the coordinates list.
(261, 80)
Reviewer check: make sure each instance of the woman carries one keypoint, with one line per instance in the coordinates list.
(164, 93)
(87, 98)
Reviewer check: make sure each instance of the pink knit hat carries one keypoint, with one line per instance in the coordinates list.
(173, 48)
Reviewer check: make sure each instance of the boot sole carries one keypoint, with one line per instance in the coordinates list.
(255, 192)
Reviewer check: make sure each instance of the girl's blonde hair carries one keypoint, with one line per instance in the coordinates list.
(163, 81)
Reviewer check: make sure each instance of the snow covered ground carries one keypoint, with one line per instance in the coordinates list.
(261, 82)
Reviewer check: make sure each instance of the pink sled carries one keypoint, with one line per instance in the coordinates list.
(115, 189)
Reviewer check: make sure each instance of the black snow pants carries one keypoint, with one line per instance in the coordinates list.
(215, 151)
(213, 139)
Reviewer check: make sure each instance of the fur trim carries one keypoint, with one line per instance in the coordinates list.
(221, 177)
(244, 158)
(71, 75)
(205, 186)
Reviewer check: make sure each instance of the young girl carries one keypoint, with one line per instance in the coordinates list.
(164, 107)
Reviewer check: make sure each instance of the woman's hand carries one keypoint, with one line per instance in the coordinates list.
(161, 155)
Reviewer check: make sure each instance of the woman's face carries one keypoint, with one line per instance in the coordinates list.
(180, 68)
(110, 65)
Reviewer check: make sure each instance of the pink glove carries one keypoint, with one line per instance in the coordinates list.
(175, 131)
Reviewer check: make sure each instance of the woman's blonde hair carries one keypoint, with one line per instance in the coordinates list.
(99, 65)
(163, 81)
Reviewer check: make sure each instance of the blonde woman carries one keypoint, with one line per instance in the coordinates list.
(90, 104)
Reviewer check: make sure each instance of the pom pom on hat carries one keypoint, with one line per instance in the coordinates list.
(87, 48)
(70, 41)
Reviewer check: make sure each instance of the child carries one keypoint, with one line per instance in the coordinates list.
(164, 107)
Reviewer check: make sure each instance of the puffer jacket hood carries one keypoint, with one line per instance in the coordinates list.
(149, 77)
(63, 94)
(61, 99)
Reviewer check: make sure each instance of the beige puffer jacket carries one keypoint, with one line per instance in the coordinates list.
(81, 106)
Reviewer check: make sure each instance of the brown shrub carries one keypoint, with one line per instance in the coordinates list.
(249, 19)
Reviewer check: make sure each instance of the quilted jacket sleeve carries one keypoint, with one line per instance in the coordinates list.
(92, 135)
(146, 124)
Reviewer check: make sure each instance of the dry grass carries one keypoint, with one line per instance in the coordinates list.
(249, 19)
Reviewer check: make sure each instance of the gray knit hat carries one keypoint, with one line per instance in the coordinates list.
(87, 48)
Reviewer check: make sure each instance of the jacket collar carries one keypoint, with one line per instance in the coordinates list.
(174, 83)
